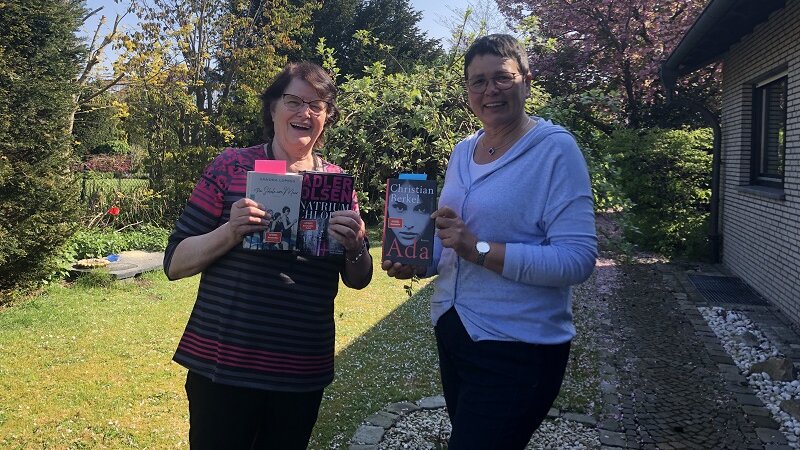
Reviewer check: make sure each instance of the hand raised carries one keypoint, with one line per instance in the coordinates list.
(401, 271)
(453, 232)
(246, 217)
(348, 228)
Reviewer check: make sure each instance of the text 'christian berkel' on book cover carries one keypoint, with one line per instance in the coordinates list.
(280, 195)
(323, 193)
(407, 224)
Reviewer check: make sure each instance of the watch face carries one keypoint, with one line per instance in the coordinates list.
(482, 247)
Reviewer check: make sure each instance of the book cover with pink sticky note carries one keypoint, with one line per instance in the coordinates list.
(279, 193)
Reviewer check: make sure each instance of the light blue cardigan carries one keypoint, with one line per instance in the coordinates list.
(537, 200)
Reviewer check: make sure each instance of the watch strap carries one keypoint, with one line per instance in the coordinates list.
(481, 258)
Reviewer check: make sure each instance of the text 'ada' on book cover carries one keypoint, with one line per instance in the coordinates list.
(407, 224)
(280, 195)
(323, 193)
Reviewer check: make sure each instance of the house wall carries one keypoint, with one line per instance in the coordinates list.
(761, 233)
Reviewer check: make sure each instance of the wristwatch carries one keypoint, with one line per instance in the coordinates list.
(483, 248)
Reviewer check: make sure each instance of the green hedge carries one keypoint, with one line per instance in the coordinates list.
(39, 60)
(403, 122)
(667, 176)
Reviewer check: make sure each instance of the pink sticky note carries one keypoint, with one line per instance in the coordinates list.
(270, 166)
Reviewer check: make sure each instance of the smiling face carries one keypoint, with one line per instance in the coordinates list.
(415, 213)
(297, 131)
(495, 107)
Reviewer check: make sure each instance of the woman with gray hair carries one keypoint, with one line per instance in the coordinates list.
(515, 230)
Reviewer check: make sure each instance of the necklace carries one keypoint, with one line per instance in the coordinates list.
(493, 149)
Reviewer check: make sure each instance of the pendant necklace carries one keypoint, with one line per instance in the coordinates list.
(492, 150)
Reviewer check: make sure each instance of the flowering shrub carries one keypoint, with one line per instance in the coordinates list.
(120, 164)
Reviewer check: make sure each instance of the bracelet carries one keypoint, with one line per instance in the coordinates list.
(359, 255)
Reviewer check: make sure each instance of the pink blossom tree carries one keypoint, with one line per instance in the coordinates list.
(616, 46)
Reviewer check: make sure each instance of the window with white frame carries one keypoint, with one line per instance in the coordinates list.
(769, 131)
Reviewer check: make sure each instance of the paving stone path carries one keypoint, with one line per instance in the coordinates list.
(667, 381)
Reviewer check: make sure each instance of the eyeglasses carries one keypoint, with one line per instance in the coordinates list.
(502, 81)
(295, 104)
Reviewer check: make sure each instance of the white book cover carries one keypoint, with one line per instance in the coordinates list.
(280, 195)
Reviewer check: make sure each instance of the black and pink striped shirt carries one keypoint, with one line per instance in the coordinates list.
(262, 319)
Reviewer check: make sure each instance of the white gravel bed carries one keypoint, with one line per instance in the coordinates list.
(747, 345)
(430, 429)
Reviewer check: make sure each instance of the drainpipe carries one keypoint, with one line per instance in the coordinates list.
(716, 161)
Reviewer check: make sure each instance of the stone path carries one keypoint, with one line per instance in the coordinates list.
(666, 381)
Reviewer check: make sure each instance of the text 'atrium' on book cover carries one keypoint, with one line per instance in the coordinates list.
(323, 193)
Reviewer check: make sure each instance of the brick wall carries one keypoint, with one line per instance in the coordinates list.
(760, 233)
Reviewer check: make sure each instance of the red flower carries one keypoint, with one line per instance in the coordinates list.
(114, 211)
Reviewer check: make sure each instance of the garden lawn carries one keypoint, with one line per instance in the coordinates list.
(90, 367)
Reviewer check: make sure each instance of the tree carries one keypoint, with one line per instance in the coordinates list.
(86, 91)
(220, 55)
(361, 32)
(393, 23)
(613, 45)
(478, 18)
(39, 62)
(332, 21)
(97, 122)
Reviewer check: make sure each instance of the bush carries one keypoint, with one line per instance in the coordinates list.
(667, 176)
(180, 170)
(116, 164)
(101, 242)
(571, 112)
(112, 148)
(398, 123)
(137, 202)
(39, 60)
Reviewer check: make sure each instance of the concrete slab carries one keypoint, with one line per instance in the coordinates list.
(131, 264)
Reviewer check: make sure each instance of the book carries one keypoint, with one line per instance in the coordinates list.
(280, 195)
(407, 224)
(322, 194)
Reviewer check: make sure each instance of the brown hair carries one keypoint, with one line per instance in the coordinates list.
(310, 73)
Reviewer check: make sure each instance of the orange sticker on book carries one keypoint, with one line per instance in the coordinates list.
(273, 237)
(395, 222)
(308, 225)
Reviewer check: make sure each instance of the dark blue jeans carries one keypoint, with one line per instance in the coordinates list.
(497, 392)
(228, 417)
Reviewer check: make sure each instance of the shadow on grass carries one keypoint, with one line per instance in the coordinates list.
(394, 360)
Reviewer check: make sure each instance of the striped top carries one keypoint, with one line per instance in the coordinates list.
(261, 319)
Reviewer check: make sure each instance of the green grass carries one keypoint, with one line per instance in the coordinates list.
(85, 366)
(90, 367)
(111, 185)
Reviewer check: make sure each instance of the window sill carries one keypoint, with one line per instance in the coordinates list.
(762, 191)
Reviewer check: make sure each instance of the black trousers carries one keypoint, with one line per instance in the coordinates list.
(223, 417)
(497, 392)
